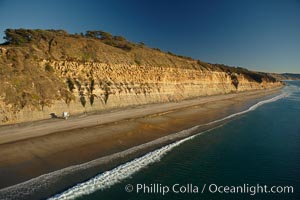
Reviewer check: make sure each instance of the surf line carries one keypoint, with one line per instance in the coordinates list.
(116, 175)
(283, 95)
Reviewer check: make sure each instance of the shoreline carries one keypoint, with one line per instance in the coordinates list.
(25, 130)
(177, 120)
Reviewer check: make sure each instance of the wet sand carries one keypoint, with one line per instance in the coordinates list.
(32, 149)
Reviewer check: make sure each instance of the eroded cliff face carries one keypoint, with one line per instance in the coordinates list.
(43, 73)
(99, 86)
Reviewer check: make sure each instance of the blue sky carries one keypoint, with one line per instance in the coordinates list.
(260, 35)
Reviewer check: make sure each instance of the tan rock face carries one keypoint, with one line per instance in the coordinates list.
(51, 71)
(100, 86)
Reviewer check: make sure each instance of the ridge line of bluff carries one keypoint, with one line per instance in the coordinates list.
(37, 80)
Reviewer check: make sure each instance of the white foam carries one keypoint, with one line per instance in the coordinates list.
(116, 175)
(109, 178)
(283, 95)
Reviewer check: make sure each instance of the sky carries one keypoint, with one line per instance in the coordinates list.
(262, 35)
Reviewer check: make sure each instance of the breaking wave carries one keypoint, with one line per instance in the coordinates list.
(109, 178)
(283, 95)
(116, 175)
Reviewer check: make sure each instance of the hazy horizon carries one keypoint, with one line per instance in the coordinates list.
(257, 35)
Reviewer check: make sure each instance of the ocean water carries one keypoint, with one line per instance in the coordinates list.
(260, 147)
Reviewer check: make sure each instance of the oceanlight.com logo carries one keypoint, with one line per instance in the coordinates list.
(160, 189)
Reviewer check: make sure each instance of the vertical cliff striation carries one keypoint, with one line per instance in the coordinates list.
(46, 72)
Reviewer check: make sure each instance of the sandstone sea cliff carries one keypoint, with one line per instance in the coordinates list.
(46, 72)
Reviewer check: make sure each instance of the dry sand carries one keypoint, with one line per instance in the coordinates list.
(32, 149)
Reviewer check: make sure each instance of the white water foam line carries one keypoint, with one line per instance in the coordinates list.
(109, 178)
(116, 175)
(283, 95)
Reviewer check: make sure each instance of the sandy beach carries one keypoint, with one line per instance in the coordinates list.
(32, 149)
